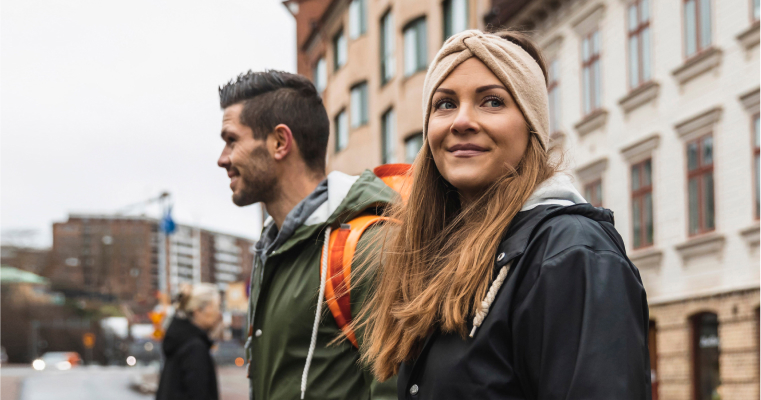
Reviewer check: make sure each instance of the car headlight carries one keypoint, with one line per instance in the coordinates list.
(131, 361)
(63, 365)
(38, 364)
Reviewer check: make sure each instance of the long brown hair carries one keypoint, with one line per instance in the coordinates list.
(437, 264)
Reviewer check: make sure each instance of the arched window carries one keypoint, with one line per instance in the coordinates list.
(705, 355)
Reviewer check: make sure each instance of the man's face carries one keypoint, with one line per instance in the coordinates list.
(248, 163)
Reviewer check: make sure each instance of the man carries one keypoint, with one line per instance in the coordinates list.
(276, 131)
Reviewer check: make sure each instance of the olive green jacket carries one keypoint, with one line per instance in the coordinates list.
(283, 303)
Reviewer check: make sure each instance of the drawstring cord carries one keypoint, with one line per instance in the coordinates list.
(323, 280)
(489, 299)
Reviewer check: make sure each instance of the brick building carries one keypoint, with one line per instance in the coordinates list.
(116, 258)
(656, 105)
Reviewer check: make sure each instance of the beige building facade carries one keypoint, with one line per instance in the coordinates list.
(655, 104)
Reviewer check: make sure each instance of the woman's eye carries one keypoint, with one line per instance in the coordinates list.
(445, 105)
(493, 103)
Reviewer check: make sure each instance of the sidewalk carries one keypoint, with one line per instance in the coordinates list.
(231, 381)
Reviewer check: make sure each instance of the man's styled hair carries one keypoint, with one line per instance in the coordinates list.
(274, 97)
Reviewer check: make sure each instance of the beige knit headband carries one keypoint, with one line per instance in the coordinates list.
(512, 65)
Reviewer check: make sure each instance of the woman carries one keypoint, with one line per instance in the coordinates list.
(502, 282)
(189, 371)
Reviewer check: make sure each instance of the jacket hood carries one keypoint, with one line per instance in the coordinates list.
(181, 331)
(557, 190)
(348, 196)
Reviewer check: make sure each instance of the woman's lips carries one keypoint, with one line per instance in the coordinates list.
(464, 150)
(467, 153)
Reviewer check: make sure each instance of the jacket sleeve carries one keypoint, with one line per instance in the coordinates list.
(582, 329)
(364, 269)
(197, 371)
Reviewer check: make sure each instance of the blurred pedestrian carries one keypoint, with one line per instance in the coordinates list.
(276, 131)
(189, 372)
(509, 284)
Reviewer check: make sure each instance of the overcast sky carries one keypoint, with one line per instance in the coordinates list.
(104, 104)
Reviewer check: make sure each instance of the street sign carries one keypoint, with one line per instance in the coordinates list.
(88, 339)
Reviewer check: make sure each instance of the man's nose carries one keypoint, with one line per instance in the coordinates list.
(224, 159)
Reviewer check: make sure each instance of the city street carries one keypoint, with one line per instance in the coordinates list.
(99, 383)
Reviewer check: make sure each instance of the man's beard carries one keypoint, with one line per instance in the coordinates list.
(259, 181)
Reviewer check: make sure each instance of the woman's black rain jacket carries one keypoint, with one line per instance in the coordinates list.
(569, 322)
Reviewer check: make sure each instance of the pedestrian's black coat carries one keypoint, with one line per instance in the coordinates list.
(189, 372)
(570, 321)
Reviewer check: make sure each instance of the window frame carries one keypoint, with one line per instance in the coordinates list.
(316, 73)
(699, 48)
(421, 57)
(755, 145)
(447, 10)
(361, 26)
(337, 125)
(388, 141)
(641, 27)
(638, 196)
(340, 34)
(408, 140)
(364, 100)
(700, 172)
(387, 59)
(594, 58)
(695, 324)
(588, 189)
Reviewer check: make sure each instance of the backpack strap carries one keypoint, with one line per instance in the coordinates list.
(341, 248)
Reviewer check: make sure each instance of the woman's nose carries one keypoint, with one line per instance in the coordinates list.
(464, 121)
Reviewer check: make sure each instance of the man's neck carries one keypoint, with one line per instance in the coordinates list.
(293, 189)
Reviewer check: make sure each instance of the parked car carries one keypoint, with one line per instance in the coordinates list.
(60, 360)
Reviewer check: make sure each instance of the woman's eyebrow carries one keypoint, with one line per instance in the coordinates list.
(447, 91)
(485, 88)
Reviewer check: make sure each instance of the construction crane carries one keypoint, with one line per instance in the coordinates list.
(164, 198)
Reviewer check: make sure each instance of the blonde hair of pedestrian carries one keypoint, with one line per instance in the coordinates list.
(438, 263)
(195, 297)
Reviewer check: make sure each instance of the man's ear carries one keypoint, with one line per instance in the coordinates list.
(282, 139)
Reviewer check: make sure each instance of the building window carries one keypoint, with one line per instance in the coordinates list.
(455, 17)
(320, 75)
(700, 184)
(359, 105)
(593, 193)
(642, 204)
(339, 51)
(357, 18)
(388, 137)
(652, 346)
(757, 164)
(705, 355)
(639, 43)
(697, 26)
(755, 10)
(388, 63)
(415, 47)
(412, 146)
(341, 126)
(590, 53)
(553, 94)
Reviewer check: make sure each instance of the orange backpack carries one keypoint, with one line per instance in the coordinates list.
(343, 245)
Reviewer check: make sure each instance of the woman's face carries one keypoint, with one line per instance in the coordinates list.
(475, 129)
(209, 316)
